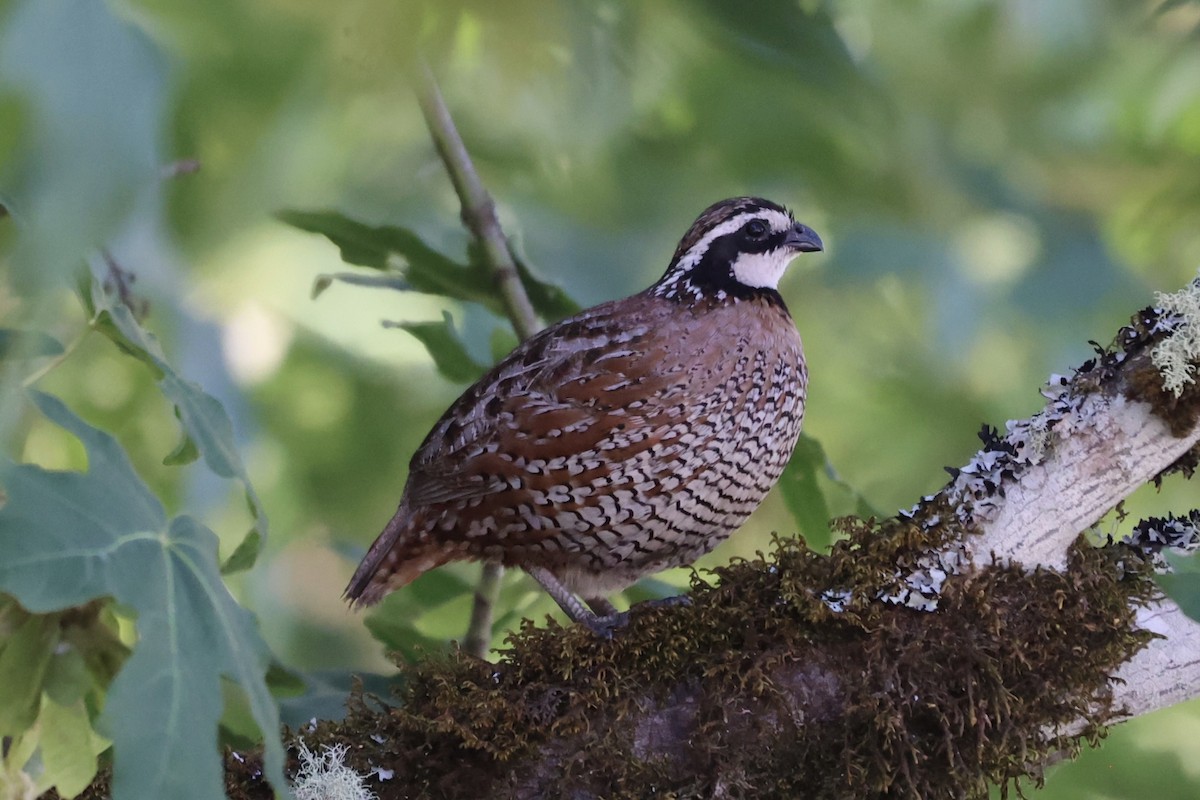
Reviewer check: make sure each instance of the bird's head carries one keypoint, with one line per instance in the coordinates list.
(737, 248)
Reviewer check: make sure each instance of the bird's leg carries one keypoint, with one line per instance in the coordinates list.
(602, 606)
(601, 625)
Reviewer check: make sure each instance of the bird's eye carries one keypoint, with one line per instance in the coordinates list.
(756, 230)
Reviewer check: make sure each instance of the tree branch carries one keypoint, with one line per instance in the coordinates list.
(961, 644)
(479, 216)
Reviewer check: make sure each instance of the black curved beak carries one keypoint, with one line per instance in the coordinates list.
(804, 239)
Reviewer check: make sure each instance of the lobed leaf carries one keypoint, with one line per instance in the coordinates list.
(67, 538)
(207, 429)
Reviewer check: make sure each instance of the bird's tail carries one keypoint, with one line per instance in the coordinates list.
(397, 558)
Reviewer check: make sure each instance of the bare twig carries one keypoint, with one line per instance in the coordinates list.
(478, 210)
(479, 215)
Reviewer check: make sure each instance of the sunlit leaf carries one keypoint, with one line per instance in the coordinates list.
(68, 747)
(24, 655)
(206, 426)
(447, 350)
(67, 538)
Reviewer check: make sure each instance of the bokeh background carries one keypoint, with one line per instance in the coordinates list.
(997, 183)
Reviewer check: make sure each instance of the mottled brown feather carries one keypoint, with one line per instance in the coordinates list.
(633, 404)
(632, 437)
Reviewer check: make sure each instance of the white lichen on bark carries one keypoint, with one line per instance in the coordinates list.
(323, 775)
(1177, 355)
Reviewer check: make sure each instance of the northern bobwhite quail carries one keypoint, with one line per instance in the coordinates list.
(631, 437)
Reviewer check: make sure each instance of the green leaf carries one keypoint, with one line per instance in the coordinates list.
(324, 695)
(394, 622)
(27, 344)
(68, 746)
(94, 89)
(802, 492)
(447, 350)
(67, 538)
(815, 494)
(206, 427)
(385, 281)
(283, 681)
(67, 677)
(548, 299)
(101, 648)
(1183, 584)
(244, 556)
(23, 663)
(393, 249)
(184, 453)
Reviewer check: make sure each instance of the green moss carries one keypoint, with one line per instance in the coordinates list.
(930, 704)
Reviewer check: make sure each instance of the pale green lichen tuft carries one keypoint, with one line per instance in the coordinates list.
(1176, 356)
(323, 775)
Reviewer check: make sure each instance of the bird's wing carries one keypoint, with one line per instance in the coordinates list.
(570, 390)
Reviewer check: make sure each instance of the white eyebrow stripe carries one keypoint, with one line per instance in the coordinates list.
(779, 222)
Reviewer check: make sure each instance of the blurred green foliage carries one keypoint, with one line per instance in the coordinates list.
(996, 181)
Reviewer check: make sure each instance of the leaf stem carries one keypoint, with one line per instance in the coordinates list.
(53, 363)
(479, 216)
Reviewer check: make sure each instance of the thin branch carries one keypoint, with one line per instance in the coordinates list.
(479, 215)
(478, 209)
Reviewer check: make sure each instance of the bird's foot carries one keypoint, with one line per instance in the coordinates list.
(604, 625)
(675, 601)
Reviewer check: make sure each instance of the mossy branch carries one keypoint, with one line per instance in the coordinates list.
(803, 674)
(479, 216)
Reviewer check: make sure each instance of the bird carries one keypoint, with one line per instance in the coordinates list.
(634, 436)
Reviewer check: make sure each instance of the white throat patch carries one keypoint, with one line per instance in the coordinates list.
(762, 270)
(755, 270)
